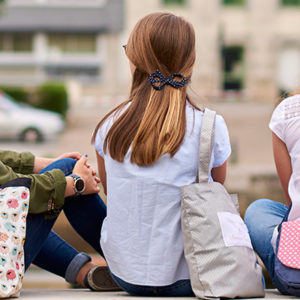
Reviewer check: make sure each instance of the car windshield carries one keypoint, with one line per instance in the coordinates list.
(7, 103)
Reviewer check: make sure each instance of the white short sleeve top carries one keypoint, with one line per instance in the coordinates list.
(141, 235)
(285, 123)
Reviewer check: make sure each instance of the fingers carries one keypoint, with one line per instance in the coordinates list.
(97, 190)
(74, 155)
(93, 186)
(82, 160)
(88, 174)
(93, 171)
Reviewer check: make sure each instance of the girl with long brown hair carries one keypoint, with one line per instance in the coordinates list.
(147, 148)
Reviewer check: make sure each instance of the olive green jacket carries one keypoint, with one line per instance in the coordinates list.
(47, 190)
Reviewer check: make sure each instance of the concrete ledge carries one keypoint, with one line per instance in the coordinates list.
(87, 294)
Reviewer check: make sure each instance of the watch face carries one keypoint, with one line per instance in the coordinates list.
(79, 185)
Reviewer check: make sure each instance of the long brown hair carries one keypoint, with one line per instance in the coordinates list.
(154, 123)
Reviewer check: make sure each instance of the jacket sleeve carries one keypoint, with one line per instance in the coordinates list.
(47, 190)
(20, 162)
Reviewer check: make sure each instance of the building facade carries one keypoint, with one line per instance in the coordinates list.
(44, 40)
(246, 49)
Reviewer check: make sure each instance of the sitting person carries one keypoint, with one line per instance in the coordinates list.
(263, 216)
(52, 190)
(147, 148)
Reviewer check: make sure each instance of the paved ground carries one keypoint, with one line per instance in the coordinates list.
(85, 294)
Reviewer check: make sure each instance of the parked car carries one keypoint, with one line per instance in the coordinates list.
(25, 123)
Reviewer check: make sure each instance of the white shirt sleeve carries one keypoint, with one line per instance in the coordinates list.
(277, 122)
(221, 148)
(99, 140)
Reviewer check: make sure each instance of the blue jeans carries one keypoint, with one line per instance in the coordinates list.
(49, 251)
(261, 218)
(181, 288)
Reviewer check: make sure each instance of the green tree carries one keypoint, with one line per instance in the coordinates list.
(53, 96)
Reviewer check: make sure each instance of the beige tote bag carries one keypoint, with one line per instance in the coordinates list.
(217, 245)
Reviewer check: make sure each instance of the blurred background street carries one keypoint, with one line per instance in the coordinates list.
(66, 57)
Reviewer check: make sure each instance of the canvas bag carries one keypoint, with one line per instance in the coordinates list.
(217, 245)
(14, 203)
(287, 258)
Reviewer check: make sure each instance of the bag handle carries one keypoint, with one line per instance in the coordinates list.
(206, 144)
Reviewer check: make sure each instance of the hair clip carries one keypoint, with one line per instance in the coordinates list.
(158, 80)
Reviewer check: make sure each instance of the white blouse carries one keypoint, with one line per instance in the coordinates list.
(141, 235)
(285, 123)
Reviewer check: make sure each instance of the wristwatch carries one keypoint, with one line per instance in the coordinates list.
(79, 185)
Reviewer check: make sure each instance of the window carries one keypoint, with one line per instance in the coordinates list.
(233, 57)
(234, 2)
(73, 71)
(290, 2)
(174, 2)
(16, 42)
(57, 2)
(73, 43)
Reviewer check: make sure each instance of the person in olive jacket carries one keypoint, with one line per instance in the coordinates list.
(67, 182)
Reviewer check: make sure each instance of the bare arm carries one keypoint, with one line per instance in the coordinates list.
(101, 171)
(40, 162)
(219, 174)
(283, 164)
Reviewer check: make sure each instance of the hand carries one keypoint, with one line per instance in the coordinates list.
(88, 174)
(75, 155)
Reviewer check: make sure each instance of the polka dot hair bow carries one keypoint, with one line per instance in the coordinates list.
(158, 80)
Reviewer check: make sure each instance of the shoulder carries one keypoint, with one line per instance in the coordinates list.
(287, 108)
(220, 123)
(286, 111)
(222, 147)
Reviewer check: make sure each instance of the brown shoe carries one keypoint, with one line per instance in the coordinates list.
(99, 279)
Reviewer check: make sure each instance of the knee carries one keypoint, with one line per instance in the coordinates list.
(66, 165)
(68, 161)
(255, 211)
(256, 207)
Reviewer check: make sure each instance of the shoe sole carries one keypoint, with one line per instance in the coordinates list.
(100, 279)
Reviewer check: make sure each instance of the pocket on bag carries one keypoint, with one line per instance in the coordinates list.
(234, 230)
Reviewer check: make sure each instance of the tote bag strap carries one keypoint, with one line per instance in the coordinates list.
(206, 144)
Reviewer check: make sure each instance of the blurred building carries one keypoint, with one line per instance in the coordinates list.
(56, 40)
(246, 49)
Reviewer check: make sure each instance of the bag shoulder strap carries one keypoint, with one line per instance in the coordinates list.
(206, 144)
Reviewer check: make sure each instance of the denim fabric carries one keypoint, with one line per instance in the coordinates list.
(261, 218)
(181, 288)
(49, 251)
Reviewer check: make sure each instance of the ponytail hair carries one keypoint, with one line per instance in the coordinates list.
(154, 123)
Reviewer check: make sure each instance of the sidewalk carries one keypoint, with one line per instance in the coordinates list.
(86, 294)
(39, 284)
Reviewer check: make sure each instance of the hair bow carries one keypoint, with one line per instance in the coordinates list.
(158, 80)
